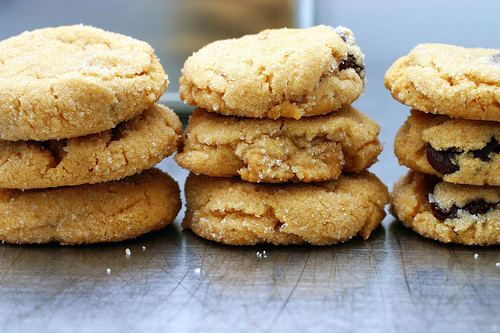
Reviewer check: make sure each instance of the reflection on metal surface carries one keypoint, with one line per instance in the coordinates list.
(395, 281)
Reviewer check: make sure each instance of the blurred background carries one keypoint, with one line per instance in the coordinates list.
(385, 30)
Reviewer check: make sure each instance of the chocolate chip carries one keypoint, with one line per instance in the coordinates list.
(484, 153)
(495, 58)
(474, 208)
(350, 62)
(441, 160)
(478, 207)
(442, 213)
(343, 36)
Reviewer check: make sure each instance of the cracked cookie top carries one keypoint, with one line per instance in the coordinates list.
(129, 148)
(276, 73)
(71, 81)
(449, 80)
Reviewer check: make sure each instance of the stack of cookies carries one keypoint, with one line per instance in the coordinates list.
(276, 152)
(450, 142)
(78, 124)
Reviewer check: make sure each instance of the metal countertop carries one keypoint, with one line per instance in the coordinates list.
(397, 281)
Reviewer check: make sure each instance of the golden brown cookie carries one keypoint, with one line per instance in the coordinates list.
(71, 81)
(464, 214)
(449, 80)
(235, 212)
(105, 212)
(274, 151)
(458, 150)
(130, 147)
(276, 73)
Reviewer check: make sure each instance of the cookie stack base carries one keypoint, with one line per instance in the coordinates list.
(235, 212)
(105, 212)
(410, 204)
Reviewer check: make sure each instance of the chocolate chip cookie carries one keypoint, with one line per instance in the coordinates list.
(276, 73)
(274, 151)
(448, 212)
(71, 81)
(235, 212)
(448, 80)
(458, 150)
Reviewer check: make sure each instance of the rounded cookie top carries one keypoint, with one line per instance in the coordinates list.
(458, 150)
(130, 147)
(450, 80)
(464, 214)
(111, 211)
(275, 151)
(276, 73)
(235, 212)
(74, 80)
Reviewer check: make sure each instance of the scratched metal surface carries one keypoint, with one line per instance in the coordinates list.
(396, 281)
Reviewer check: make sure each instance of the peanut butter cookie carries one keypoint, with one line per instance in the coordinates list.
(235, 212)
(274, 151)
(70, 81)
(106, 212)
(276, 73)
(130, 147)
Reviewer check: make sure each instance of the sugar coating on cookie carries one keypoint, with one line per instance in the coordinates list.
(449, 80)
(458, 150)
(274, 151)
(276, 73)
(71, 81)
(235, 212)
(105, 212)
(130, 147)
(464, 214)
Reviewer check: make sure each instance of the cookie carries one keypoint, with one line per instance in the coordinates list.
(449, 80)
(456, 213)
(276, 73)
(235, 212)
(106, 212)
(274, 151)
(72, 81)
(130, 147)
(458, 150)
